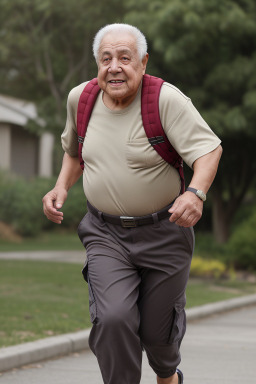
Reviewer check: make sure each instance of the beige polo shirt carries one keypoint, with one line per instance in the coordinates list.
(123, 174)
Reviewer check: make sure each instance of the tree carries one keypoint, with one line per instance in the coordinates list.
(208, 50)
(45, 49)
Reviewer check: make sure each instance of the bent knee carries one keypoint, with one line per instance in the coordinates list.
(117, 316)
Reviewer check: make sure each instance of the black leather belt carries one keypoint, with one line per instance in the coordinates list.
(130, 221)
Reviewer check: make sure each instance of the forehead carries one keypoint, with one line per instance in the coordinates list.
(118, 42)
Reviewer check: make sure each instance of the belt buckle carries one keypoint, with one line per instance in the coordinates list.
(128, 222)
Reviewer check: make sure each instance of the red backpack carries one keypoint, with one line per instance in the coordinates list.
(151, 87)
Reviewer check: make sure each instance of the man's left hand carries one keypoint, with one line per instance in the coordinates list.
(186, 210)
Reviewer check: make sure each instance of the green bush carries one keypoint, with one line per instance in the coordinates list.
(207, 247)
(21, 204)
(242, 244)
(75, 206)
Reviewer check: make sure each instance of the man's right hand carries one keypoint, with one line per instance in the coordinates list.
(52, 202)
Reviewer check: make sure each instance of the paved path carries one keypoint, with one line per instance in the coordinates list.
(220, 349)
(60, 256)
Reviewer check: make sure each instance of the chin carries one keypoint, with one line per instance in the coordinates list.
(117, 93)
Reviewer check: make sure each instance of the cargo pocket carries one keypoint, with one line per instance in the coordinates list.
(92, 302)
(178, 325)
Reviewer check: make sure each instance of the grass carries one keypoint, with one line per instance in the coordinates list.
(47, 241)
(41, 299)
(201, 292)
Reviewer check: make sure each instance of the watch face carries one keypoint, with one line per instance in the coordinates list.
(201, 195)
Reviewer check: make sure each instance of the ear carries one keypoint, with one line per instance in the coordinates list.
(144, 63)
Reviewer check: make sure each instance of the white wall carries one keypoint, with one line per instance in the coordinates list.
(5, 146)
(45, 160)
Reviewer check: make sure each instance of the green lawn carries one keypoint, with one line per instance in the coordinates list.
(41, 299)
(47, 241)
(201, 292)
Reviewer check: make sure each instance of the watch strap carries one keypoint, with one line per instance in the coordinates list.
(200, 194)
(192, 190)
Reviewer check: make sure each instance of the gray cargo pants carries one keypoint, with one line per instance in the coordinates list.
(137, 279)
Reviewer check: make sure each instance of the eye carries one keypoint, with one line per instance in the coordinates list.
(124, 58)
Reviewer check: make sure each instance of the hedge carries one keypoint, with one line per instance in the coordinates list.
(21, 204)
(242, 244)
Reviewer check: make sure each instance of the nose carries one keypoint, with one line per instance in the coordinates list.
(114, 66)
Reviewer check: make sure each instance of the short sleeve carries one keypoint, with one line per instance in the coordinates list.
(185, 128)
(69, 136)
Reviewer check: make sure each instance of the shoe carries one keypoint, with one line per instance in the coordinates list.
(180, 376)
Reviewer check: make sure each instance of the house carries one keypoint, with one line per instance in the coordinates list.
(21, 151)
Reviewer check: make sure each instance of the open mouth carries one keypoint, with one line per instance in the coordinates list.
(116, 82)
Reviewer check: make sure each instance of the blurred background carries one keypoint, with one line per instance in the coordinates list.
(205, 48)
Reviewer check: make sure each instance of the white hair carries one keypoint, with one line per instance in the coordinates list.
(140, 38)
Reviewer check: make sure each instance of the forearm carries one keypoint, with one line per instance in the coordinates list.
(70, 172)
(205, 169)
(187, 208)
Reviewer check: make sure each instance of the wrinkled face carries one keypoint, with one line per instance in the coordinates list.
(120, 68)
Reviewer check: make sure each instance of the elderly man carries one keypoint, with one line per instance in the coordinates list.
(138, 232)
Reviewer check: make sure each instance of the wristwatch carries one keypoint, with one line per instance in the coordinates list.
(198, 193)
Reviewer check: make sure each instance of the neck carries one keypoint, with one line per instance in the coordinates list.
(117, 104)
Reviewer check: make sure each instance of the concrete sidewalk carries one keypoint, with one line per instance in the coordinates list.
(77, 257)
(218, 349)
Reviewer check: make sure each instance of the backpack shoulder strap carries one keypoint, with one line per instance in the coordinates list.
(84, 110)
(151, 87)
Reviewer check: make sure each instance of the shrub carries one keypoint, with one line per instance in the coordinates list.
(75, 206)
(242, 244)
(21, 204)
(207, 247)
(207, 268)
